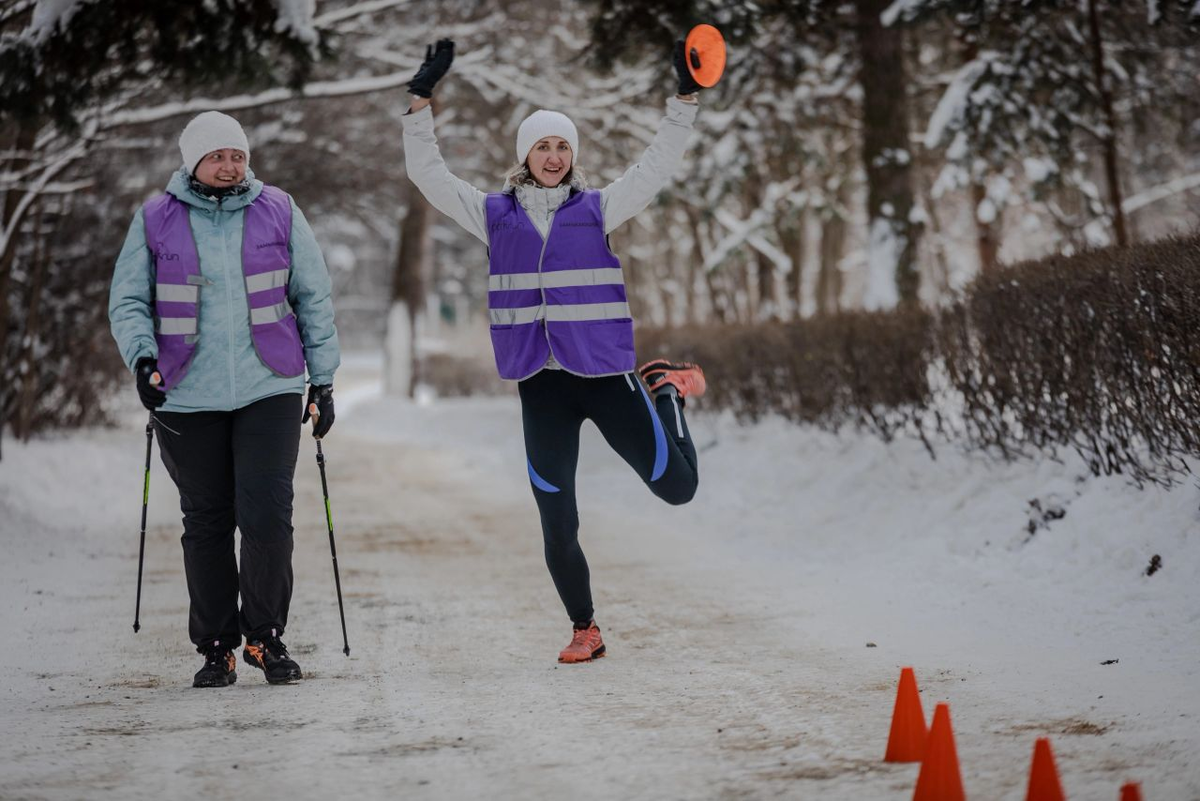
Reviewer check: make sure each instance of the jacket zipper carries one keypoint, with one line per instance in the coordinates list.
(228, 305)
(541, 287)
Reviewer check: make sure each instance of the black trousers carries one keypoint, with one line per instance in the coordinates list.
(650, 434)
(235, 470)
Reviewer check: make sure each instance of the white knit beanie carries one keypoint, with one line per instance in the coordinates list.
(211, 131)
(539, 125)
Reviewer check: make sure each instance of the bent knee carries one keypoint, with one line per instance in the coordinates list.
(680, 492)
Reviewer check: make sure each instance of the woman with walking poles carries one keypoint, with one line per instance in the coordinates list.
(560, 323)
(220, 301)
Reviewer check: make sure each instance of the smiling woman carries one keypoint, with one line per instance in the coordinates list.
(220, 302)
(560, 319)
(225, 167)
(550, 161)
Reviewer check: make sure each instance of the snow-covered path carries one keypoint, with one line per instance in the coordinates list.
(737, 626)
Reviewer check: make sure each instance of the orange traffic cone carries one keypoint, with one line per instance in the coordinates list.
(1043, 776)
(939, 779)
(906, 742)
(1131, 791)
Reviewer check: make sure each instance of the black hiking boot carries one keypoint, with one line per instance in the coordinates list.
(220, 669)
(271, 657)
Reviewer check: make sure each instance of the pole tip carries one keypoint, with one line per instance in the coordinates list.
(136, 627)
(346, 650)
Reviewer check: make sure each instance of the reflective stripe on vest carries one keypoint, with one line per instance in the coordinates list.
(175, 325)
(604, 275)
(568, 313)
(264, 281)
(266, 261)
(177, 293)
(270, 314)
(564, 294)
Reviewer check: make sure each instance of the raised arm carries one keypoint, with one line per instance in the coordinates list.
(634, 190)
(446, 192)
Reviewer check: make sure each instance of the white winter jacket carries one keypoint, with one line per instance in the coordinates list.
(619, 201)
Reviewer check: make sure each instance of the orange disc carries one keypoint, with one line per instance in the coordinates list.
(704, 49)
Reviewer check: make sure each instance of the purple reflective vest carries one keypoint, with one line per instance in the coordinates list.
(563, 295)
(266, 231)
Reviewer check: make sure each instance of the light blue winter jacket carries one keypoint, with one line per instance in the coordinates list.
(226, 372)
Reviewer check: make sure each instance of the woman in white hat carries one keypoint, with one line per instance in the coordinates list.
(220, 302)
(560, 321)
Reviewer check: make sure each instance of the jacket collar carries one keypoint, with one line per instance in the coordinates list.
(539, 199)
(179, 187)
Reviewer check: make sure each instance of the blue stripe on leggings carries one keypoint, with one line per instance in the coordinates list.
(660, 438)
(538, 481)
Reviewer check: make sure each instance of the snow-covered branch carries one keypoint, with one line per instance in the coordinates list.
(342, 88)
(1185, 183)
(746, 231)
(60, 163)
(52, 188)
(357, 10)
(951, 111)
(15, 10)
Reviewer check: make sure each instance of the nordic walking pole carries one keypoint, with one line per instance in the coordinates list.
(312, 410)
(155, 380)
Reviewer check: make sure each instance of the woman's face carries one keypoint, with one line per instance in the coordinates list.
(549, 160)
(222, 168)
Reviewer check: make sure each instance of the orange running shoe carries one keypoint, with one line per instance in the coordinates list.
(687, 378)
(586, 645)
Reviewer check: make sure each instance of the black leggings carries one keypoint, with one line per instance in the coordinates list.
(235, 469)
(650, 434)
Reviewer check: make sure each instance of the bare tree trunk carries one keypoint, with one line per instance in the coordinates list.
(21, 143)
(1104, 84)
(409, 282)
(31, 375)
(832, 248)
(691, 276)
(987, 239)
(719, 299)
(667, 270)
(791, 236)
(742, 290)
(715, 297)
(938, 241)
(829, 275)
(768, 303)
(985, 232)
(892, 236)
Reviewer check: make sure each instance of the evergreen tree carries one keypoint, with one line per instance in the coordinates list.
(821, 26)
(1037, 86)
(75, 54)
(65, 65)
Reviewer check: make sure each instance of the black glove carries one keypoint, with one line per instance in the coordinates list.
(687, 84)
(145, 369)
(436, 64)
(322, 397)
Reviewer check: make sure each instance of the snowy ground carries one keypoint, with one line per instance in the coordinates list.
(737, 627)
